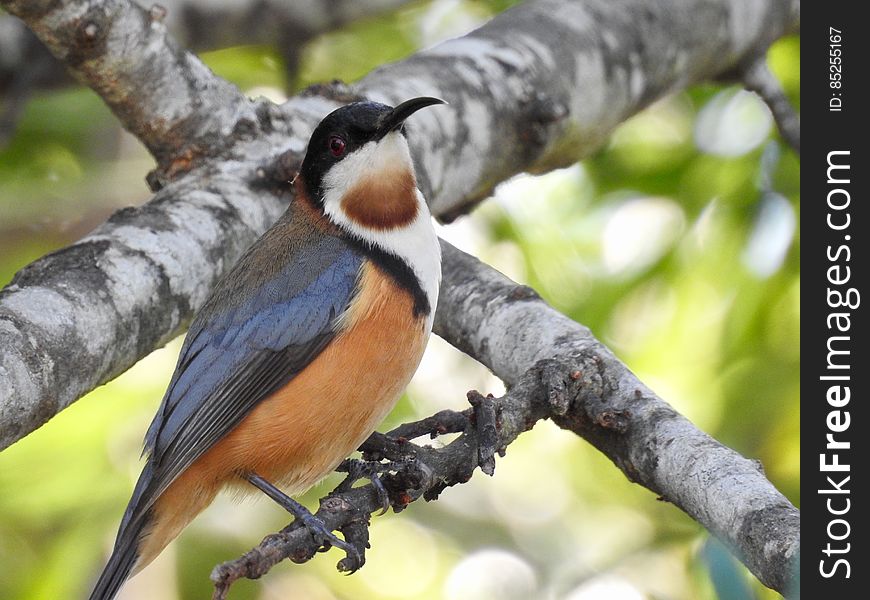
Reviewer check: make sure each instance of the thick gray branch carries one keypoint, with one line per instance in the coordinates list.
(26, 64)
(510, 329)
(138, 278)
(80, 316)
(546, 83)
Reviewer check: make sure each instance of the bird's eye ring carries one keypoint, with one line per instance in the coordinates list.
(337, 145)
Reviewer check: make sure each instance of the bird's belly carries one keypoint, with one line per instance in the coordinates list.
(301, 432)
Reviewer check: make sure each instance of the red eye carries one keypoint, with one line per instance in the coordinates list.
(337, 145)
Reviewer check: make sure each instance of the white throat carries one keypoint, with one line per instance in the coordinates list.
(414, 242)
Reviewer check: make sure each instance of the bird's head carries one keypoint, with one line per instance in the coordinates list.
(358, 168)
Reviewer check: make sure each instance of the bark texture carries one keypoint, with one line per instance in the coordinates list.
(517, 105)
(26, 65)
(518, 102)
(597, 397)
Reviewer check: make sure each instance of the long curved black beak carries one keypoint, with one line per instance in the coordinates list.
(393, 120)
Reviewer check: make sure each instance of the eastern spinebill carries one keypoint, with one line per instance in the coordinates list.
(303, 347)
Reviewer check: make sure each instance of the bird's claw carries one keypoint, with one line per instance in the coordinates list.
(315, 526)
(326, 539)
(357, 469)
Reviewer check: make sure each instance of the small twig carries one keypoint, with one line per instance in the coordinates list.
(441, 423)
(347, 512)
(487, 429)
(758, 78)
(414, 472)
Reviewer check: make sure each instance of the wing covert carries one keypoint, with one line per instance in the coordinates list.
(237, 353)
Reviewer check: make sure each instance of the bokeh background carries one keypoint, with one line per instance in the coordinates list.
(678, 244)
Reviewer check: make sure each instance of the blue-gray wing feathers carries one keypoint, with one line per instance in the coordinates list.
(236, 355)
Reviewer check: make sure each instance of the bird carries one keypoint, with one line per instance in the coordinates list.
(303, 347)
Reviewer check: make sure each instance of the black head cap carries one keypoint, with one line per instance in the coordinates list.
(348, 128)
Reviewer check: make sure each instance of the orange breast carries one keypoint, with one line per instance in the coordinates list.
(304, 430)
(300, 433)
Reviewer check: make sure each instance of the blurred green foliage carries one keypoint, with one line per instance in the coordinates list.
(677, 244)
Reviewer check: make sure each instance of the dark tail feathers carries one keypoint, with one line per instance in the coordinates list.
(116, 572)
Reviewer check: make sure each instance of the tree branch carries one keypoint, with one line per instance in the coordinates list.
(510, 330)
(80, 316)
(27, 66)
(133, 283)
(522, 103)
(758, 78)
(516, 104)
(414, 472)
(555, 369)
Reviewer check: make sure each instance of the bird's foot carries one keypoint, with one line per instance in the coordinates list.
(357, 469)
(322, 535)
(326, 538)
